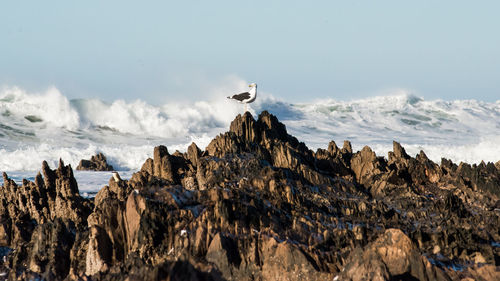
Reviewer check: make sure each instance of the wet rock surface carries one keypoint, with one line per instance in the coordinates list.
(257, 204)
(97, 162)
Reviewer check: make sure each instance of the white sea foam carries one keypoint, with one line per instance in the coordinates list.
(47, 126)
(51, 108)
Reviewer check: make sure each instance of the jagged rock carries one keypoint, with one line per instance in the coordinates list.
(99, 253)
(135, 207)
(257, 204)
(391, 257)
(78, 255)
(431, 170)
(96, 163)
(107, 235)
(234, 228)
(165, 166)
(246, 127)
(477, 272)
(366, 166)
(53, 196)
(334, 161)
(4, 232)
(49, 255)
(284, 261)
(175, 271)
(43, 217)
(223, 252)
(480, 177)
(162, 165)
(193, 154)
(347, 148)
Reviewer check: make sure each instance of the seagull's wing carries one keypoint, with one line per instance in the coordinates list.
(241, 97)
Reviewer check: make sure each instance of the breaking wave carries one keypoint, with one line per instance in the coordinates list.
(48, 126)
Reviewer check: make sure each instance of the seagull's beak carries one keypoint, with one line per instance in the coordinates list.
(250, 85)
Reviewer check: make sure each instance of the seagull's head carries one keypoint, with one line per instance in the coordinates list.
(253, 85)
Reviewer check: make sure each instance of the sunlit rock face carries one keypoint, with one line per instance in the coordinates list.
(257, 204)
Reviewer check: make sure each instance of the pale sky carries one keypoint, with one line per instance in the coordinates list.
(296, 50)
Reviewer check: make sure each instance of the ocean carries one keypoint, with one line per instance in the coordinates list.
(49, 126)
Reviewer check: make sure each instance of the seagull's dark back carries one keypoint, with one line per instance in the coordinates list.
(242, 96)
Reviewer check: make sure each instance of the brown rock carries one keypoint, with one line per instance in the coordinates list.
(96, 163)
(259, 205)
(431, 171)
(347, 148)
(391, 256)
(223, 252)
(283, 261)
(107, 237)
(366, 165)
(395, 248)
(148, 166)
(4, 232)
(162, 164)
(333, 149)
(193, 154)
(54, 196)
(399, 153)
(165, 166)
(99, 253)
(245, 127)
(486, 272)
(136, 204)
(50, 254)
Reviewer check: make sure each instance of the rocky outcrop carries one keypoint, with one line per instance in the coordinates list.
(257, 204)
(39, 222)
(53, 195)
(392, 256)
(97, 162)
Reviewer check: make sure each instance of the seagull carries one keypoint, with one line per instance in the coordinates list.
(246, 97)
(116, 176)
